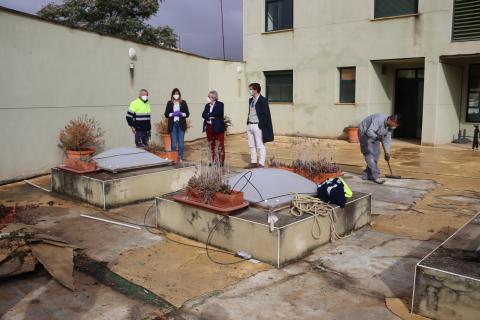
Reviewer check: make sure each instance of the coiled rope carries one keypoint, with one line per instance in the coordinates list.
(318, 209)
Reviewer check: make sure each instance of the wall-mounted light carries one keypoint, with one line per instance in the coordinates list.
(132, 54)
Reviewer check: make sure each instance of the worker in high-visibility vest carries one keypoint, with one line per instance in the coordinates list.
(138, 118)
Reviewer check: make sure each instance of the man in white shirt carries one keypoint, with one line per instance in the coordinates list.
(259, 126)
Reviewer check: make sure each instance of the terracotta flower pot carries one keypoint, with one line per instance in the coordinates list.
(226, 200)
(167, 142)
(194, 196)
(80, 165)
(352, 133)
(170, 155)
(80, 159)
(77, 154)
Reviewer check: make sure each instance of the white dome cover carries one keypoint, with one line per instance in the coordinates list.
(125, 158)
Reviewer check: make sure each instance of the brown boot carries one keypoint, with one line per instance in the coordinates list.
(251, 166)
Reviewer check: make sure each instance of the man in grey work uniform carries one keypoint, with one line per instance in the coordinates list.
(371, 132)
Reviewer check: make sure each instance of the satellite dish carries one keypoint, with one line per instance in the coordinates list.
(131, 53)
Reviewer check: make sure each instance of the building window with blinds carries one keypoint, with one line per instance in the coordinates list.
(347, 85)
(473, 100)
(278, 15)
(279, 86)
(466, 20)
(393, 8)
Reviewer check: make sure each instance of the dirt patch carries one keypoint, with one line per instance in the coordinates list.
(178, 273)
(17, 213)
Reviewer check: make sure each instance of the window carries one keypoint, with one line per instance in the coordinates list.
(473, 101)
(278, 15)
(279, 86)
(347, 85)
(392, 8)
(466, 20)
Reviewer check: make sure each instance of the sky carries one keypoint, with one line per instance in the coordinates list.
(197, 21)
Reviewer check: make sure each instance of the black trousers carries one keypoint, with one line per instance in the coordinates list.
(141, 138)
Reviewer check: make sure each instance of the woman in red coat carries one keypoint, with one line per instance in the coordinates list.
(214, 126)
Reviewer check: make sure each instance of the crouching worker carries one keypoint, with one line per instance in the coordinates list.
(372, 131)
(138, 118)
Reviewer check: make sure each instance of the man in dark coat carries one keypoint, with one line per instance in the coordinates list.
(259, 126)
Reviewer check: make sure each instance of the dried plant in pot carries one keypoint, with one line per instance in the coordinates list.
(79, 140)
(274, 163)
(316, 170)
(161, 129)
(210, 186)
(158, 150)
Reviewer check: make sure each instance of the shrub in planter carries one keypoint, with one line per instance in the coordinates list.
(315, 170)
(79, 140)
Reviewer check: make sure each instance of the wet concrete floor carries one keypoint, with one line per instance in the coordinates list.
(410, 217)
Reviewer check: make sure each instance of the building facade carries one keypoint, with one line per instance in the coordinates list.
(327, 64)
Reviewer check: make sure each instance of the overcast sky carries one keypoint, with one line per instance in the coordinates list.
(197, 21)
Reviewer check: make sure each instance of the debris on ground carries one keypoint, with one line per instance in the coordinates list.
(99, 271)
(400, 308)
(22, 247)
(18, 213)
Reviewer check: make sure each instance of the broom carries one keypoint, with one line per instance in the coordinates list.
(391, 175)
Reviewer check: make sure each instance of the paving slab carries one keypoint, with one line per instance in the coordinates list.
(361, 269)
(39, 297)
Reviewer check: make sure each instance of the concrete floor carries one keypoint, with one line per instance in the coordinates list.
(411, 215)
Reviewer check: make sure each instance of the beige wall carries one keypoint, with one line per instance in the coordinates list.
(328, 34)
(50, 74)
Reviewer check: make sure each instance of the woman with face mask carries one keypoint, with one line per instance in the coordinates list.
(214, 126)
(177, 112)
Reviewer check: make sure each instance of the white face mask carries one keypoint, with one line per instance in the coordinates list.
(144, 98)
(250, 92)
(208, 100)
(176, 96)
